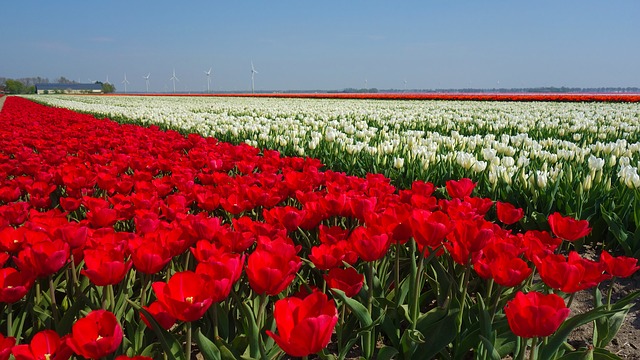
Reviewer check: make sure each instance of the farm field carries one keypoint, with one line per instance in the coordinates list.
(578, 158)
(258, 228)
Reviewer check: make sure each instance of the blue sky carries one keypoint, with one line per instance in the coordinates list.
(325, 44)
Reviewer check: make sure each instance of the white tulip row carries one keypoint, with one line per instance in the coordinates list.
(533, 144)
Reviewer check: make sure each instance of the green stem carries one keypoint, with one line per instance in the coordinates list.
(145, 283)
(261, 309)
(613, 279)
(343, 309)
(10, 320)
(397, 275)
(533, 354)
(38, 295)
(214, 312)
(573, 295)
(112, 298)
(496, 300)
(264, 299)
(54, 305)
(522, 348)
(418, 286)
(413, 291)
(74, 274)
(369, 337)
(490, 288)
(187, 345)
(186, 260)
(465, 289)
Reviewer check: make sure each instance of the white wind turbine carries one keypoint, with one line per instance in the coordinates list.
(208, 73)
(174, 78)
(125, 82)
(253, 72)
(146, 79)
(107, 82)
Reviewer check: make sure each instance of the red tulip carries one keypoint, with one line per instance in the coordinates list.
(328, 256)
(370, 246)
(96, 335)
(44, 345)
(74, 234)
(11, 239)
(304, 325)
(105, 266)
(99, 213)
(272, 266)
(220, 277)
(9, 193)
(288, 217)
(467, 238)
(14, 285)
(70, 204)
(461, 188)
(149, 253)
(568, 228)
(15, 213)
(6, 343)
(539, 244)
(509, 271)
(570, 274)
(185, 296)
(347, 280)
(508, 214)
(429, 228)
(535, 314)
(620, 266)
(43, 258)
(332, 235)
(160, 314)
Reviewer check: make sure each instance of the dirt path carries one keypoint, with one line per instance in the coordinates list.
(2, 99)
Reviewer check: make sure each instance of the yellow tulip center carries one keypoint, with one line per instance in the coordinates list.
(189, 299)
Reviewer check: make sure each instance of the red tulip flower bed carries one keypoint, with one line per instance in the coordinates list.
(120, 241)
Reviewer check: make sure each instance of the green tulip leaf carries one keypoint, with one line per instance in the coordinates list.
(556, 340)
(358, 309)
(436, 326)
(606, 328)
(208, 349)
(590, 353)
(493, 354)
(171, 346)
(387, 353)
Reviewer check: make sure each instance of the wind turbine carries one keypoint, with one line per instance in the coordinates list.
(208, 73)
(405, 85)
(107, 82)
(366, 82)
(253, 72)
(125, 82)
(174, 78)
(146, 79)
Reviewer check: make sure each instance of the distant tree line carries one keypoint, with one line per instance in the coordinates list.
(28, 85)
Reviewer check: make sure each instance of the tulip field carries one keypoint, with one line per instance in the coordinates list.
(262, 228)
(578, 158)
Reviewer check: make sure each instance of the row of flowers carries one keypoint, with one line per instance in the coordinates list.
(542, 156)
(568, 97)
(130, 241)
